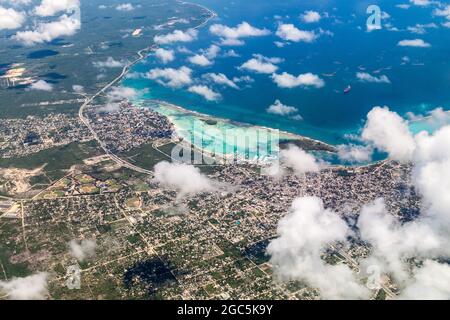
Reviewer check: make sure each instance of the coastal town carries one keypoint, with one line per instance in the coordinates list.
(149, 243)
(22, 137)
(129, 127)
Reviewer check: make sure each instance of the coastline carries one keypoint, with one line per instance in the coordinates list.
(284, 136)
(204, 23)
(304, 142)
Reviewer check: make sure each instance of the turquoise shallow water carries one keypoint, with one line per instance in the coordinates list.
(220, 136)
(419, 77)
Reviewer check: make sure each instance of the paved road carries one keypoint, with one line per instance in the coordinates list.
(125, 70)
(86, 122)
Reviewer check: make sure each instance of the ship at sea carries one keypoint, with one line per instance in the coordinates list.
(347, 90)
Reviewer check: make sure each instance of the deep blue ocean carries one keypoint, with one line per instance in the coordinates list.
(419, 77)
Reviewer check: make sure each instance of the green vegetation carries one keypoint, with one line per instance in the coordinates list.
(8, 248)
(381, 295)
(55, 159)
(12, 111)
(146, 156)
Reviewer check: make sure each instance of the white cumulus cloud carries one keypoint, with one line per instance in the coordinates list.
(355, 154)
(33, 287)
(261, 64)
(289, 32)
(233, 35)
(185, 179)
(125, 7)
(49, 8)
(205, 92)
(11, 19)
(82, 250)
(174, 78)
(177, 36)
(221, 79)
(367, 77)
(287, 80)
(418, 43)
(311, 16)
(389, 132)
(200, 60)
(46, 32)
(41, 85)
(110, 62)
(164, 55)
(281, 109)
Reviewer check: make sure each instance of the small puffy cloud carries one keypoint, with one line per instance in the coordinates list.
(174, 78)
(299, 160)
(233, 35)
(165, 56)
(82, 250)
(205, 92)
(244, 79)
(221, 79)
(422, 28)
(212, 52)
(443, 12)
(185, 179)
(421, 3)
(46, 32)
(33, 287)
(432, 175)
(289, 32)
(303, 235)
(286, 80)
(418, 43)
(200, 60)
(232, 42)
(438, 118)
(11, 19)
(49, 8)
(434, 119)
(121, 93)
(366, 77)
(261, 64)
(355, 154)
(403, 6)
(110, 62)
(41, 85)
(77, 88)
(115, 96)
(125, 7)
(311, 16)
(389, 132)
(280, 44)
(177, 36)
(281, 109)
